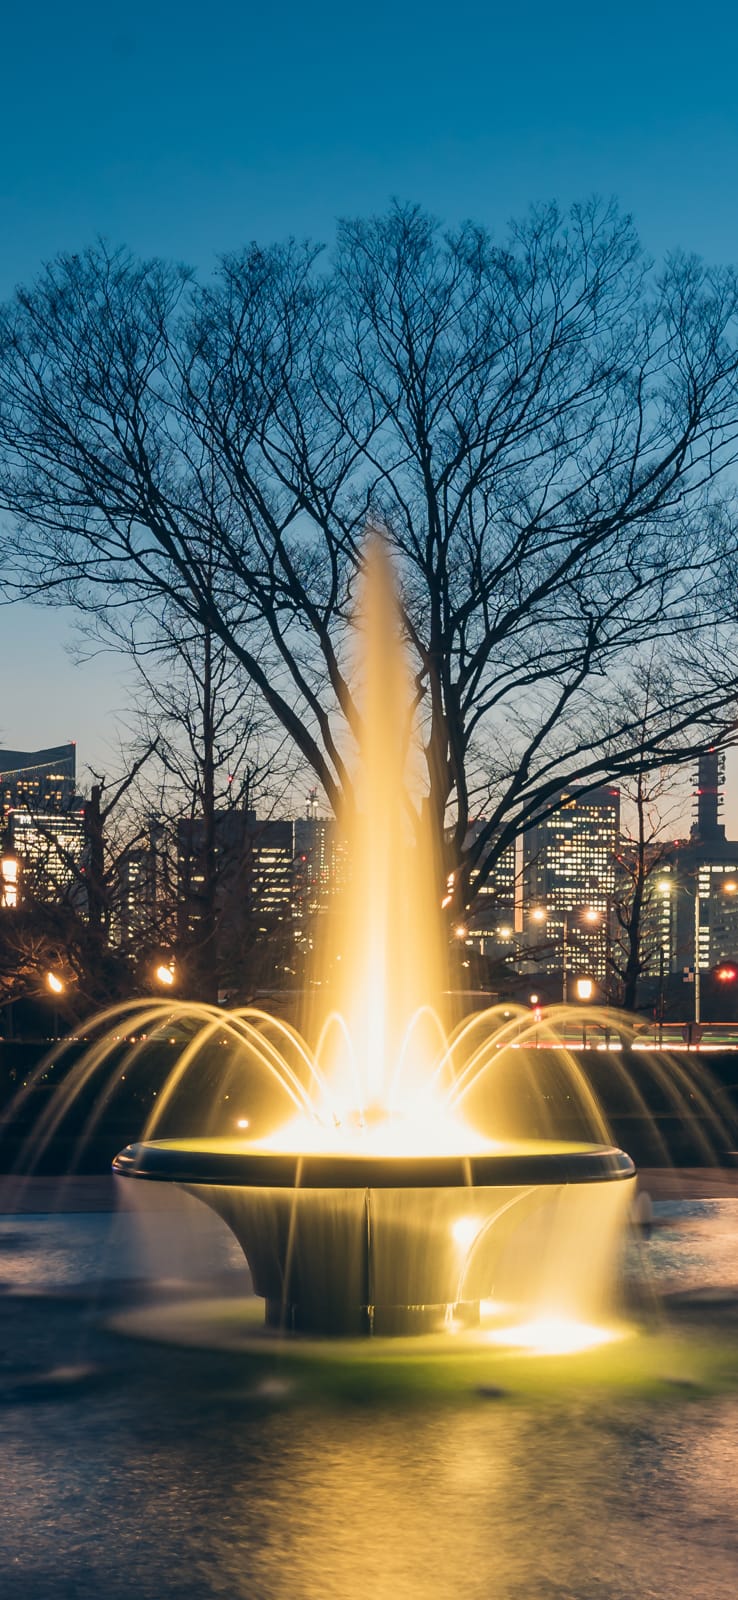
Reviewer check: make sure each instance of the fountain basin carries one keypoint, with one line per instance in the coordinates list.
(350, 1244)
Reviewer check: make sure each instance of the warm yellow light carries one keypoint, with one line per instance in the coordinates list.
(590, 915)
(464, 1231)
(731, 887)
(504, 932)
(585, 988)
(243, 1122)
(460, 931)
(9, 890)
(54, 983)
(538, 914)
(165, 975)
(555, 1336)
(664, 886)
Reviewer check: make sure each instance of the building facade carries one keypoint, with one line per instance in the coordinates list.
(251, 889)
(705, 890)
(51, 848)
(569, 883)
(38, 780)
(493, 916)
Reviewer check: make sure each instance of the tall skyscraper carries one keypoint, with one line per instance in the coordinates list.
(569, 881)
(320, 866)
(706, 876)
(707, 827)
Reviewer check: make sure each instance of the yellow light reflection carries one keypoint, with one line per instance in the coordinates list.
(555, 1336)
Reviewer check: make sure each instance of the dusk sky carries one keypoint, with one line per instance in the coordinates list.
(188, 130)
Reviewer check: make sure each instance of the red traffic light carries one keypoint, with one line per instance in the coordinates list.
(727, 972)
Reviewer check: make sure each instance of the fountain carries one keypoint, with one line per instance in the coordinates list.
(381, 1206)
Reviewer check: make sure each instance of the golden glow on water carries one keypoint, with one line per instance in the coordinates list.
(554, 1335)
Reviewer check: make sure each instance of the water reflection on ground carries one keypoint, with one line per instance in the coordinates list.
(130, 1468)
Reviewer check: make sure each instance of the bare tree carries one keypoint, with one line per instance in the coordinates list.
(644, 854)
(539, 428)
(201, 717)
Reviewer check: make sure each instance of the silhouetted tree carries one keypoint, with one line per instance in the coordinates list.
(644, 853)
(537, 426)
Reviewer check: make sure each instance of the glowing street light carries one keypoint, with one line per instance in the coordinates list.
(57, 987)
(165, 974)
(584, 988)
(9, 873)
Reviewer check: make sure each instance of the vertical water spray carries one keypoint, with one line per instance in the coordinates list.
(383, 948)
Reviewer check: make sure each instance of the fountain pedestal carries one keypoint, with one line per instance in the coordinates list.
(354, 1245)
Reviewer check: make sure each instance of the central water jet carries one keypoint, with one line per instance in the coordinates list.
(379, 1208)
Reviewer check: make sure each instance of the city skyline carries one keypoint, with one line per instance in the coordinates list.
(558, 899)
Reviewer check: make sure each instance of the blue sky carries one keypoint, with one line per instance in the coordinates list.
(186, 130)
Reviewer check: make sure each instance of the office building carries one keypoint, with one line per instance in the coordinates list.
(142, 909)
(706, 877)
(38, 780)
(569, 882)
(253, 868)
(320, 870)
(51, 848)
(492, 918)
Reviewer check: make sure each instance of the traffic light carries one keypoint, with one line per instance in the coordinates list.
(726, 972)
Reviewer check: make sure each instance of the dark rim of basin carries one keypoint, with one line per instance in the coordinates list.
(172, 1162)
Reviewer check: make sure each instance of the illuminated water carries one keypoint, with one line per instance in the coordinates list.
(131, 1467)
(401, 1170)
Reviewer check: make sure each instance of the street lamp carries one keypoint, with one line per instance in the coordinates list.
(584, 990)
(57, 987)
(164, 974)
